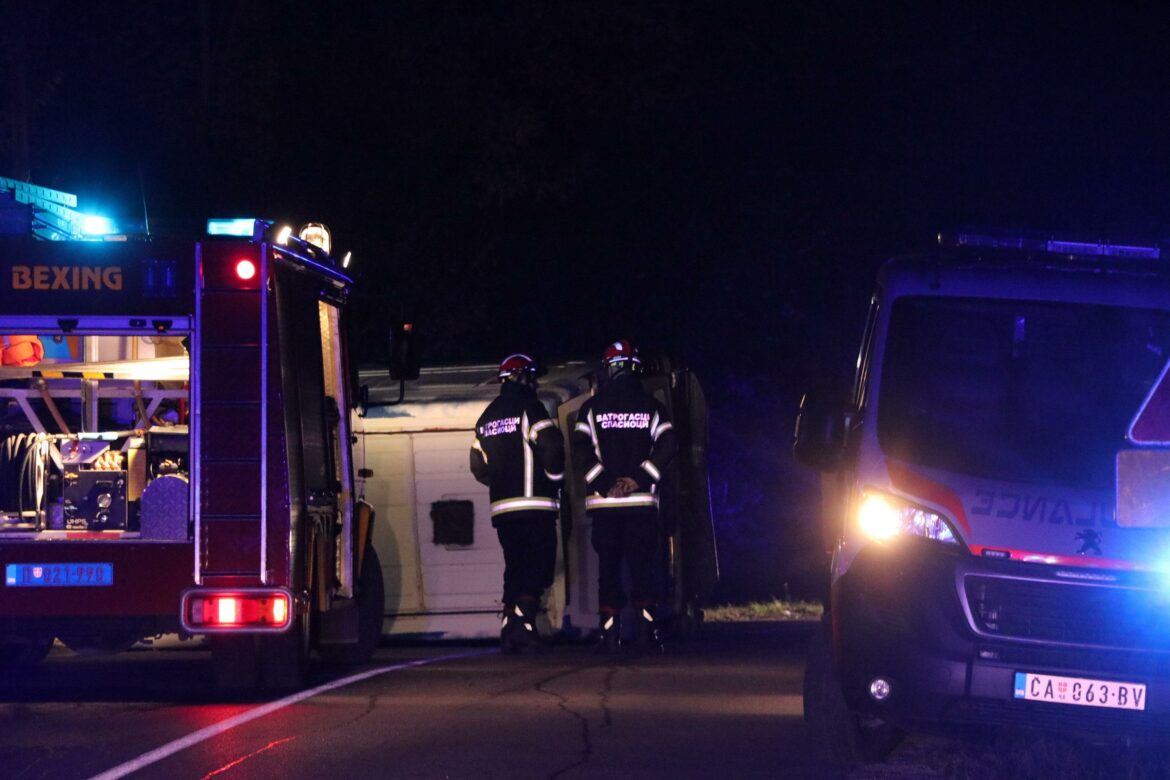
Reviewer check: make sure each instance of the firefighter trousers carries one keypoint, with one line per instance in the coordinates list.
(629, 536)
(529, 541)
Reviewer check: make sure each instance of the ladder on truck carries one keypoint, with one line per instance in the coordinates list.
(48, 214)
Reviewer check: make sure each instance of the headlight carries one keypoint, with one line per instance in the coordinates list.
(883, 517)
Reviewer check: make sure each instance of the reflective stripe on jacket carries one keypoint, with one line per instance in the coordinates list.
(518, 452)
(623, 432)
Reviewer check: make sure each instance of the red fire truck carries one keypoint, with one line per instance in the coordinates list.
(175, 444)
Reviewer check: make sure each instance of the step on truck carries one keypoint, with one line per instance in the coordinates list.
(175, 446)
(996, 499)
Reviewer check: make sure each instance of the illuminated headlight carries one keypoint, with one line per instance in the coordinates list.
(883, 517)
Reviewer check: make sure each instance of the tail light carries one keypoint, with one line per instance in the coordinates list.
(247, 610)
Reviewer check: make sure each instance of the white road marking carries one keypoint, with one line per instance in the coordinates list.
(194, 738)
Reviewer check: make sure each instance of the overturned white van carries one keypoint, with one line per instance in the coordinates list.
(441, 560)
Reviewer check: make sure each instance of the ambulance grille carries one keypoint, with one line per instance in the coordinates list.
(1072, 614)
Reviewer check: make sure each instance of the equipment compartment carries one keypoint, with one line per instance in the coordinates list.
(86, 441)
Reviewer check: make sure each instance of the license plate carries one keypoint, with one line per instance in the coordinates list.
(1080, 691)
(32, 575)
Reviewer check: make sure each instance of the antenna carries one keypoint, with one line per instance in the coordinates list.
(142, 190)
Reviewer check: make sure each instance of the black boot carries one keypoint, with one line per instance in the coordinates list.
(518, 631)
(611, 633)
(506, 630)
(646, 635)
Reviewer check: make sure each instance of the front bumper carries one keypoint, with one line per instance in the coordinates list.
(950, 631)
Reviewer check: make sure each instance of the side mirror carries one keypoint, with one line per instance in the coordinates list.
(819, 439)
(404, 363)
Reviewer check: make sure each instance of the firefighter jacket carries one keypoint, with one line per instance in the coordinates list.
(518, 452)
(622, 432)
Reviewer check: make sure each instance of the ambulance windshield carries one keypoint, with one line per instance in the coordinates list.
(1021, 391)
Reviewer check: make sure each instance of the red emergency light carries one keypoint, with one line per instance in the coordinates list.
(245, 269)
(245, 609)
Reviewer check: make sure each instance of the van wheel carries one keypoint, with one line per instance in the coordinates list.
(840, 736)
(16, 652)
(370, 600)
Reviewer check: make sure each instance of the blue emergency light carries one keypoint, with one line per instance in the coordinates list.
(94, 226)
(1042, 243)
(241, 226)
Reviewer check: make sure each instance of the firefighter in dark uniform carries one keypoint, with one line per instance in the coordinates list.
(623, 440)
(519, 453)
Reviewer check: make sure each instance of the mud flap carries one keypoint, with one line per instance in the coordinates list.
(340, 625)
(359, 628)
(235, 663)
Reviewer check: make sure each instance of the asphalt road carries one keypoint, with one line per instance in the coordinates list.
(727, 705)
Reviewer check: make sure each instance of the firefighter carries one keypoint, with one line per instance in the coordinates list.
(623, 440)
(519, 453)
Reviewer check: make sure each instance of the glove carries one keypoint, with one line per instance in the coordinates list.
(622, 488)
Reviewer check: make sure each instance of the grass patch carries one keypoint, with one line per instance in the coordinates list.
(764, 610)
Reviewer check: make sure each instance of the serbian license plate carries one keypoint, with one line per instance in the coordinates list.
(1080, 691)
(32, 575)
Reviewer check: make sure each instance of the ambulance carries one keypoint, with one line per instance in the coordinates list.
(996, 498)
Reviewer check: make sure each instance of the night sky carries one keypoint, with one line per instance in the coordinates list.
(714, 180)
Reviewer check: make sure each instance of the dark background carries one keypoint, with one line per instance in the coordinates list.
(715, 180)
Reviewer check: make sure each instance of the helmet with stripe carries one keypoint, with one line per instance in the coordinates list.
(621, 355)
(517, 366)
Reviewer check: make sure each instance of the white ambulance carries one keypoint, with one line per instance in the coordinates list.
(997, 498)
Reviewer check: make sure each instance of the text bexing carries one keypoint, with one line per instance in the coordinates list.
(66, 277)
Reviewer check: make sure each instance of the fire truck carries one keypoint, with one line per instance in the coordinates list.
(175, 452)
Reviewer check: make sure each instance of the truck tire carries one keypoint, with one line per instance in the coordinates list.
(840, 737)
(16, 653)
(370, 599)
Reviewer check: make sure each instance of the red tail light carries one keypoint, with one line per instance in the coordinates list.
(246, 610)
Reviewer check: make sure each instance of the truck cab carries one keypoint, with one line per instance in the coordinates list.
(997, 533)
(175, 451)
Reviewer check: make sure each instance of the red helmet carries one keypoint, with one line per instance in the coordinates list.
(515, 366)
(621, 354)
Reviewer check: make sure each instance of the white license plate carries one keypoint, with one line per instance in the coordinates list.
(1080, 691)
